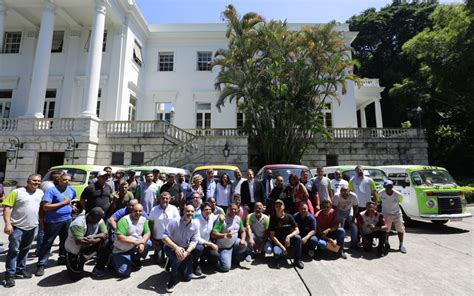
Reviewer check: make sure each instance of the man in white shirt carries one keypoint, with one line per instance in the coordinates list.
(337, 182)
(237, 182)
(363, 187)
(391, 200)
(321, 189)
(205, 249)
(159, 218)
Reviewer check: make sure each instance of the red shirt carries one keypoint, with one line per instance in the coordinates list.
(325, 222)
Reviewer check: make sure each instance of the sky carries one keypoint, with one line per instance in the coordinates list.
(294, 11)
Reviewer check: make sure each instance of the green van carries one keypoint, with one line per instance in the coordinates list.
(81, 175)
(430, 193)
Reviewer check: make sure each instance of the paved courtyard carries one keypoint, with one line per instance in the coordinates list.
(439, 262)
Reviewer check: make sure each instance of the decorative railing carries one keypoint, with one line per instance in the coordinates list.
(114, 128)
(56, 124)
(217, 132)
(177, 155)
(369, 133)
(369, 82)
(7, 124)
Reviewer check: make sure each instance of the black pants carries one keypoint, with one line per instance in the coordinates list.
(202, 253)
(381, 235)
(75, 262)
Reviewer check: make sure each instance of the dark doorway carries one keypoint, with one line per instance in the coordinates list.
(46, 160)
(3, 164)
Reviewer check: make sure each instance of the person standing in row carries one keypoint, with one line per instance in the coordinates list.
(21, 215)
(209, 185)
(97, 194)
(363, 187)
(223, 192)
(147, 193)
(251, 191)
(321, 189)
(174, 189)
(58, 215)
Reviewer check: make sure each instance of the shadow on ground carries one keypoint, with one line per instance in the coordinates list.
(425, 227)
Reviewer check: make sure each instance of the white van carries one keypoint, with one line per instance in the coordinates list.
(430, 193)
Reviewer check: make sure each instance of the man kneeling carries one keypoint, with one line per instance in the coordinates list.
(133, 242)
(87, 237)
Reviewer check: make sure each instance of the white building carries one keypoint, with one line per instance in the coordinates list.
(100, 58)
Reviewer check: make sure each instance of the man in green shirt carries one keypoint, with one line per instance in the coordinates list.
(133, 241)
(87, 237)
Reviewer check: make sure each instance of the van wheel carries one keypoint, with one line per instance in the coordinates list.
(439, 222)
(408, 221)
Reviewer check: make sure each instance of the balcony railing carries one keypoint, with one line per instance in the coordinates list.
(56, 124)
(8, 125)
(366, 82)
(217, 132)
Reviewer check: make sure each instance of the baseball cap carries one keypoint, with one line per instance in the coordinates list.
(344, 186)
(102, 173)
(387, 183)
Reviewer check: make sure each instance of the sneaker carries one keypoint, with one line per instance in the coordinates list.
(248, 258)
(23, 274)
(39, 271)
(167, 265)
(61, 260)
(298, 263)
(403, 249)
(343, 255)
(311, 253)
(9, 282)
(170, 286)
(197, 270)
(98, 272)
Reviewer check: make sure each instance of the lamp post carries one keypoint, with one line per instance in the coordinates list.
(70, 150)
(226, 150)
(14, 149)
(418, 112)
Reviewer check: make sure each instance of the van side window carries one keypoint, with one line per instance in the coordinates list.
(417, 178)
(399, 179)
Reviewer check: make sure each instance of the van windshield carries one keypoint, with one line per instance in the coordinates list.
(432, 177)
(376, 175)
(77, 176)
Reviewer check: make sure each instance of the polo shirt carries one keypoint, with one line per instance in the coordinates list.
(124, 211)
(328, 221)
(25, 207)
(233, 225)
(305, 225)
(161, 218)
(182, 234)
(345, 204)
(55, 196)
(336, 185)
(321, 188)
(147, 194)
(376, 220)
(205, 227)
(134, 229)
(258, 226)
(79, 229)
(97, 196)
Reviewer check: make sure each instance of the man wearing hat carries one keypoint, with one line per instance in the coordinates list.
(284, 234)
(391, 200)
(346, 205)
(97, 194)
(87, 237)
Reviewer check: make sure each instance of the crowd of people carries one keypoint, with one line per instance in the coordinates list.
(117, 221)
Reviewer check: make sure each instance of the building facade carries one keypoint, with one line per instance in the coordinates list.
(96, 62)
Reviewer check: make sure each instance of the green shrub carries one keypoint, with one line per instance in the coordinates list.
(468, 193)
(10, 183)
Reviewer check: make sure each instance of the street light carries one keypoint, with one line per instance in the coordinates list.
(71, 149)
(14, 149)
(226, 150)
(418, 112)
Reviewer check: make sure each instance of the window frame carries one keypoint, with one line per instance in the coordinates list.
(160, 63)
(206, 66)
(4, 101)
(104, 41)
(60, 47)
(137, 56)
(5, 43)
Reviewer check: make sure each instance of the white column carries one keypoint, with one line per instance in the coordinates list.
(363, 119)
(71, 105)
(94, 60)
(3, 11)
(378, 114)
(39, 78)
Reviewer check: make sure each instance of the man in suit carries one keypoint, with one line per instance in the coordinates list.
(209, 185)
(251, 191)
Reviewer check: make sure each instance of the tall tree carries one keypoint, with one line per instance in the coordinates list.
(378, 48)
(444, 83)
(281, 80)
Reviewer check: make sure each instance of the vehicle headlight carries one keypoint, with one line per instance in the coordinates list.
(430, 203)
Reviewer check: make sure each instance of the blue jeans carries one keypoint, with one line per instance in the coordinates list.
(159, 254)
(338, 235)
(203, 253)
(18, 248)
(343, 216)
(312, 243)
(235, 253)
(267, 245)
(185, 266)
(51, 231)
(122, 261)
(295, 244)
(39, 239)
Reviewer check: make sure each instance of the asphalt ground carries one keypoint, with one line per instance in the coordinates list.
(439, 261)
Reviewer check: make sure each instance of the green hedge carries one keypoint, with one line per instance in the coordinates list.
(468, 193)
